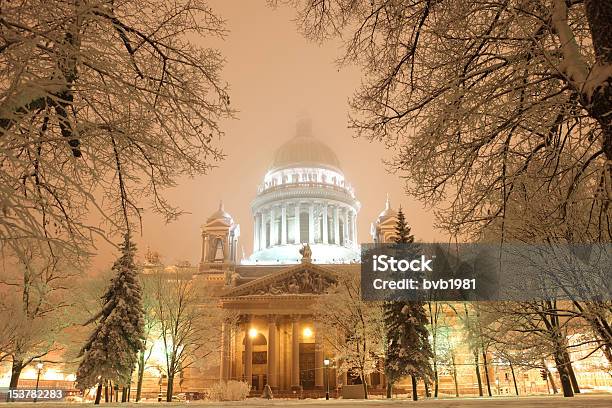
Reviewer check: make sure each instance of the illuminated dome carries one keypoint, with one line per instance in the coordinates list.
(304, 150)
(304, 198)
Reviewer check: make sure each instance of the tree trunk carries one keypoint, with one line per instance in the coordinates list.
(106, 392)
(477, 365)
(16, 368)
(170, 387)
(486, 369)
(98, 394)
(455, 375)
(550, 377)
(389, 389)
(571, 373)
(427, 392)
(513, 378)
(365, 386)
(141, 364)
(415, 394)
(124, 392)
(436, 380)
(566, 383)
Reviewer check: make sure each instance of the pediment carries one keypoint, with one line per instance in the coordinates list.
(302, 279)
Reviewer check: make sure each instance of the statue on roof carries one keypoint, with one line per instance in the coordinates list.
(306, 253)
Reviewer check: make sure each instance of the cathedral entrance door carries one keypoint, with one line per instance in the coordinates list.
(307, 365)
(255, 382)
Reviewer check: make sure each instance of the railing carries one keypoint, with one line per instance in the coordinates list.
(306, 184)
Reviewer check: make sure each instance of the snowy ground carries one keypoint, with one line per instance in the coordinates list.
(582, 401)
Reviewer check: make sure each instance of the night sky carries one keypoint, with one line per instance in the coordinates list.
(276, 76)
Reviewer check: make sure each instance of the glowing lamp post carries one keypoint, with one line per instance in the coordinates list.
(39, 367)
(326, 364)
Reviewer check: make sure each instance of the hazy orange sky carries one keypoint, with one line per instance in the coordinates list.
(276, 76)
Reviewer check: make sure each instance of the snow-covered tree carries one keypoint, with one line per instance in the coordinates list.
(188, 320)
(474, 93)
(111, 351)
(37, 293)
(539, 327)
(352, 327)
(102, 104)
(407, 348)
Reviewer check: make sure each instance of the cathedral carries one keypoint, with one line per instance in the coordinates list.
(305, 230)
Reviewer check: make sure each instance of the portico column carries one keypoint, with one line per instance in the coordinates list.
(325, 232)
(272, 365)
(336, 225)
(273, 233)
(283, 224)
(296, 224)
(295, 353)
(311, 223)
(256, 231)
(318, 363)
(248, 355)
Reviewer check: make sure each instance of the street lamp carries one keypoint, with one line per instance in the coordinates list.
(326, 364)
(39, 367)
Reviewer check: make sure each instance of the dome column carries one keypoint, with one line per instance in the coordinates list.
(273, 231)
(256, 231)
(296, 224)
(311, 223)
(353, 228)
(336, 225)
(284, 224)
(345, 236)
(350, 226)
(325, 224)
(262, 232)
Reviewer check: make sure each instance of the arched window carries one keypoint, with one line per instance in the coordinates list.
(219, 255)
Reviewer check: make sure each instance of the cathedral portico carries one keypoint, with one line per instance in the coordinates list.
(278, 339)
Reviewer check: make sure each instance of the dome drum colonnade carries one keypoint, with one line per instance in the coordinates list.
(291, 220)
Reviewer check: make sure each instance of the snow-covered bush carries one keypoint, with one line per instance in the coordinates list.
(229, 391)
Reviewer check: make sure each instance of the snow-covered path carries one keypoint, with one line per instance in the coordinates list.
(582, 401)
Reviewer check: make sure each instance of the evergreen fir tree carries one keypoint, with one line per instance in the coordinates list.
(408, 351)
(111, 351)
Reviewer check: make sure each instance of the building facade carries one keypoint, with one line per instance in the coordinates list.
(303, 200)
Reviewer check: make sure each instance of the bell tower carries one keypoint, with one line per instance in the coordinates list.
(219, 243)
(383, 230)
